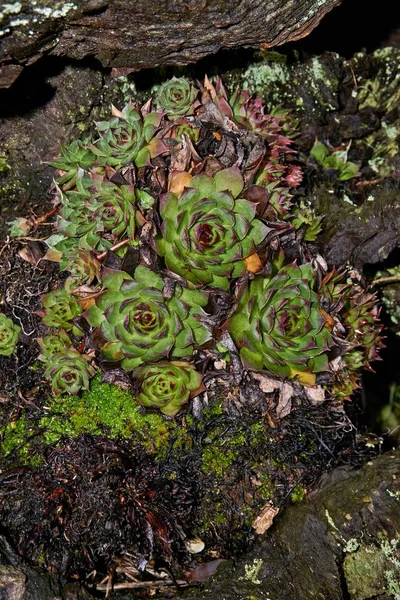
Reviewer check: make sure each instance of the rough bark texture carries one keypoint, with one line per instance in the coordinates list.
(131, 36)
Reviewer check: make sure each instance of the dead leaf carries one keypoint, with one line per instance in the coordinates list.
(32, 253)
(265, 519)
(307, 379)
(116, 112)
(204, 571)
(284, 406)
(329, 320)
(316, 394)
(178, 181)
(87, 302)
(195, 545)
(53, 255)
(267, 384)
(253, 263)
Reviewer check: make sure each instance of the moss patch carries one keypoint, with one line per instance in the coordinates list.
(105, 409)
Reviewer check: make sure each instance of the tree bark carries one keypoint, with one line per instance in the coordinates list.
(130, 36)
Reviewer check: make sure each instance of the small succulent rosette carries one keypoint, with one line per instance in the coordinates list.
(167, 386)
(60, 308)
(177, 97)
(128, 137)
(9, 332)
(53, 344)
(69, 372)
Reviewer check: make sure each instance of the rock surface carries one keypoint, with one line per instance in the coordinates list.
(341, 543)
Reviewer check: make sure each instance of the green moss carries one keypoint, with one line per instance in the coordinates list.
(216, 461)
(108, 409)
(298, 494)
(105, 409)
(16, 437)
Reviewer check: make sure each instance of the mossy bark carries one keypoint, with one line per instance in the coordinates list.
(130, 37)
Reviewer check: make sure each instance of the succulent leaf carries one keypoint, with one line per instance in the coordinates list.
(167, 386)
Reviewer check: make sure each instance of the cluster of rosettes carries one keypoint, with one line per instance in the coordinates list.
(175, 205)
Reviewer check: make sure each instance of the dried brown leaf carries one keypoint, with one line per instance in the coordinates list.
(265, 519)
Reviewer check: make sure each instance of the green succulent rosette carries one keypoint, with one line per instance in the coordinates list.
(208, 232)
(9, 332)
(128, 137)
(113, 213)
(176, 97)
(74, 157)
(279, 325)
(69, 372)
(167, 386)
(74, 217)
(304, 217)
(83, 267)
(140, 323)
(53, 344)
(60, 309)
(98, 213)
(359, 314)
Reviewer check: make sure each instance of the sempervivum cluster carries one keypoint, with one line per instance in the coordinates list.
(167, 210)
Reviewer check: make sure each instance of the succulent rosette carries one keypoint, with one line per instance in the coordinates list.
(139, 324)
(69, 372)
(358, 312)
(97, 214)
(113, 212)
(304, 217)
(74, 217)
(208, 232)
(278, 325)
(128, 137)
(60, 309)
(74, 157)
(9, 332)
(167, 385)
(176, 97)
(83, 267)
(53, 344)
